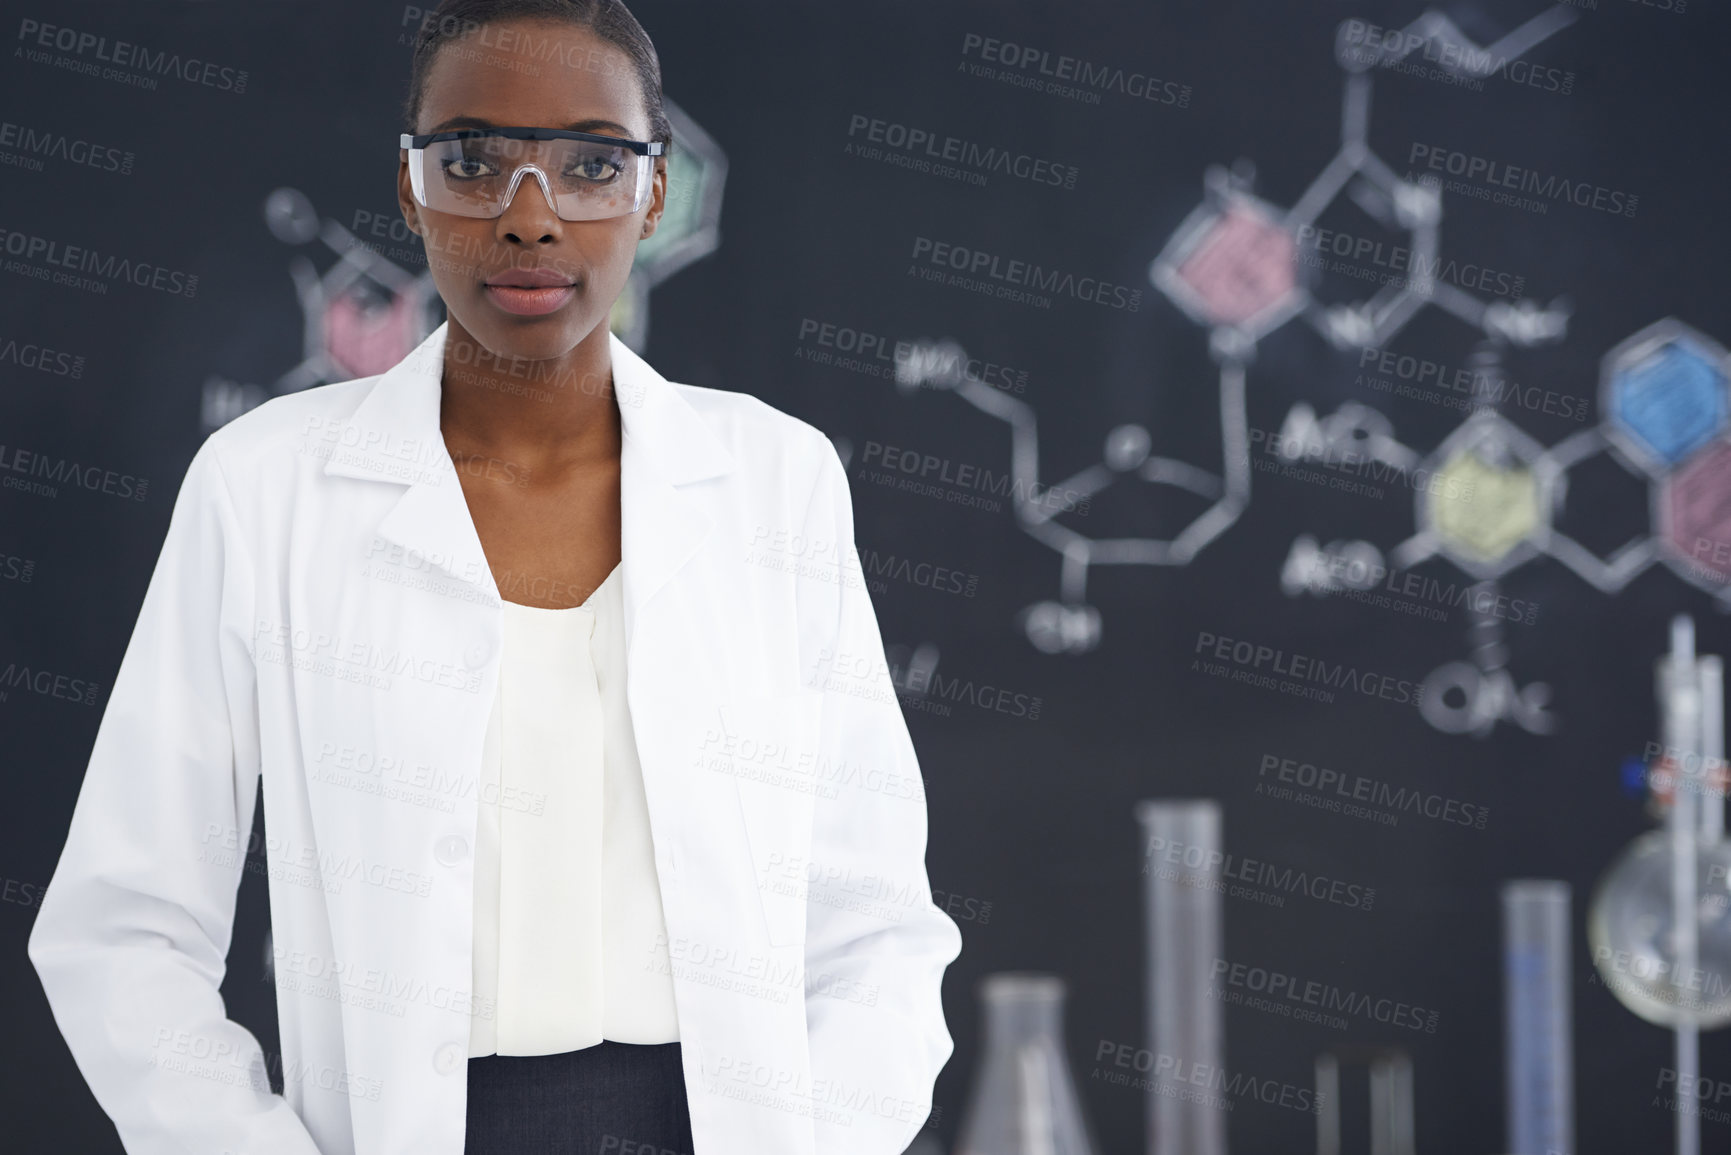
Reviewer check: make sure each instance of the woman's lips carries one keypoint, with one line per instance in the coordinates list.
(526, 302)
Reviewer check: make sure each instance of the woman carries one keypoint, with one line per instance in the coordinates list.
(592, 821)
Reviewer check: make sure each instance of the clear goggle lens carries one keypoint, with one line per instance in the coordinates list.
(477, 175)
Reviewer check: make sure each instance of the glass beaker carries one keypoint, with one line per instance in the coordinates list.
(1024, 1100)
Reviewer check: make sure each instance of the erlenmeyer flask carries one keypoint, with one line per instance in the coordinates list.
(1024, 1100)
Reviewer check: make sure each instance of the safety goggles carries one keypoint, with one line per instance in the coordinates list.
(474, 172)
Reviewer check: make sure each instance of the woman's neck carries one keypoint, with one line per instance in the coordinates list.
(541, 416)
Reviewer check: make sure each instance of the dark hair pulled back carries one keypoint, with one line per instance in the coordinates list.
(608, 19)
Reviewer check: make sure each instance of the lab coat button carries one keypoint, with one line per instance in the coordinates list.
(450, 1057)
(476, 655)
(452, 849)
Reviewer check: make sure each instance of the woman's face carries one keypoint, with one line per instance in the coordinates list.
(544, 74)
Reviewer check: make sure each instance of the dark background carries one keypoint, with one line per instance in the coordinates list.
(1033, 817)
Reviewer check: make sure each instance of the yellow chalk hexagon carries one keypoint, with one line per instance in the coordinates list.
(1481, 510)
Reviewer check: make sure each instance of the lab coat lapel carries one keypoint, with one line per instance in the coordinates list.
(393, 435)
(666, 447)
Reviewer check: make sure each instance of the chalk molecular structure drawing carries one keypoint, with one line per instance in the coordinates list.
(1234, 265)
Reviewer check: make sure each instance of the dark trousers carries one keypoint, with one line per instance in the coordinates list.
(603, 1099)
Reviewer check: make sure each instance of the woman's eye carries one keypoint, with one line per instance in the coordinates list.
(596, 169)
(467, 167)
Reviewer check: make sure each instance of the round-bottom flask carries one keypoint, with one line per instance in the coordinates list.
(1632, 930)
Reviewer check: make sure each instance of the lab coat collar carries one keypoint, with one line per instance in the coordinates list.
(394, 436)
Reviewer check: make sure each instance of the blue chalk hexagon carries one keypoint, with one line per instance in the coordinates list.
(1665, 392)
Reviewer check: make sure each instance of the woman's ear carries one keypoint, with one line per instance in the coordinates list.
(657, 200)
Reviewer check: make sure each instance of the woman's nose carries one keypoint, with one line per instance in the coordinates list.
(529, 214)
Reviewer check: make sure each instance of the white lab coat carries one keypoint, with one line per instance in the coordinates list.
(322, 619)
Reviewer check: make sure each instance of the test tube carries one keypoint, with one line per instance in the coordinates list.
(1679, 686)
(1182, 858)
(1538, 1044)
(1711, 672)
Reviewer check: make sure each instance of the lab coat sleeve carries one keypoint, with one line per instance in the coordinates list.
(132, 936)
(876, 944)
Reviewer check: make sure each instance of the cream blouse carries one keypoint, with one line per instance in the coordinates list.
(570, 942)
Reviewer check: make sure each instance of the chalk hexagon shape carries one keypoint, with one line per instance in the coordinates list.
(1665, 392)
(1232, 264)
(1481, 497)
(1693, 512)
